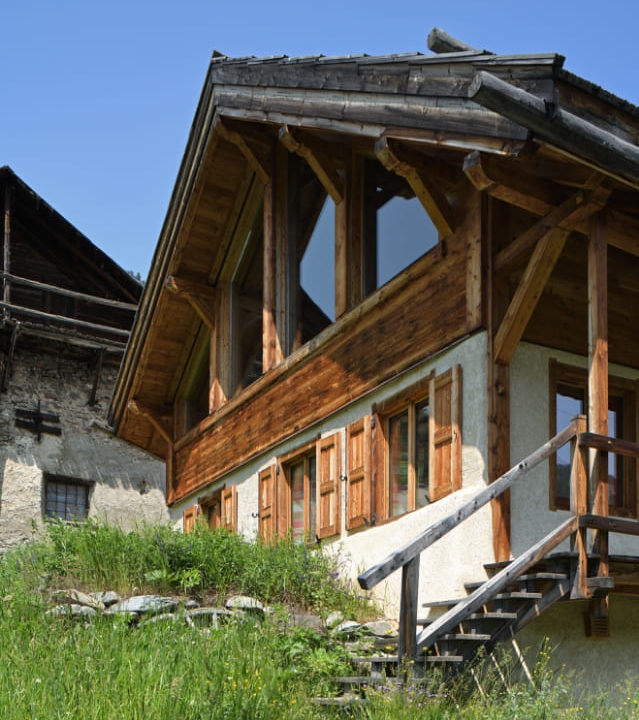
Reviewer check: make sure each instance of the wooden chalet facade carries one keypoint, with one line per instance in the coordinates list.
(386, 413)
(65, 315)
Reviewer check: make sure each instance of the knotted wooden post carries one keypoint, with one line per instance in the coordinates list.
(579, 506)
(408, 610)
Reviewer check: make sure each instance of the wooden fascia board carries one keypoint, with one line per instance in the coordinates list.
(248, 147)
(160, 418)
(529, 290)
(562, 129)
(202, 298)
(319, 159)
(577, 206)
(539, 197)
(394, 158)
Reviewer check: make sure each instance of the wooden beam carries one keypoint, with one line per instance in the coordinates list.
(528, 292)
(609, 444)
(539, 197)
(6, 250)
(247, 147)
(271, 351)
(160, 418)
(407, 645)
(579, 506)
(441, 42)
(598, 373)
(201, 297)
(394, 158)
(563, 130)
(318, 158)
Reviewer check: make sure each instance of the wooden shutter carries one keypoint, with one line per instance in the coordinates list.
(328, 465)
(229, 508)
(358, 473)
(189, 518)
(267, 506)
(445, 433)
(283, 496)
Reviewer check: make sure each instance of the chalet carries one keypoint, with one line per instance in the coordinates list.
(394, 307)
(66, 311)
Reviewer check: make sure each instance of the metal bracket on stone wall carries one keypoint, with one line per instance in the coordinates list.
(35, 420)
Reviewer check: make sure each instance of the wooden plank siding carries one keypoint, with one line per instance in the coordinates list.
(427, 312)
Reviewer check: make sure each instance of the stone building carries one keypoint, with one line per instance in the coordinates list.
(66, 313)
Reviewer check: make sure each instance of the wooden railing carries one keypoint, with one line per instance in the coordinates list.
(408, 556)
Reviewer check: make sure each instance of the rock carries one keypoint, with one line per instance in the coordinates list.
(77, 597)
(107, 598)
(349, 628)
(144, 604)
(72, 610)
(379, 628)
(207, 617)
(246, 604)
(334, 619)
(309, 621)
(191, 604)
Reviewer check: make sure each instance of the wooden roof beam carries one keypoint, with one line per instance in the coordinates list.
(440, 41)
(574, 207)
(395, 158)
(540, 197)
(317, 157)
(531, 286)
(160, 418)
(253, 154)
(202, 298)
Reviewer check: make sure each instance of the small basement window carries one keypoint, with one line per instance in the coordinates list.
(66, 498)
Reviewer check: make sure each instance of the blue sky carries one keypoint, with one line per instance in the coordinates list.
(98, 98)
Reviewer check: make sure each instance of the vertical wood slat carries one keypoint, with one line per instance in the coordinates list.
(329, 483)
(269, 328)
(267, 507)
(579, 506)
(445, 434)
(598, 373)
(408, 609)
(358, 473)
(229, 508)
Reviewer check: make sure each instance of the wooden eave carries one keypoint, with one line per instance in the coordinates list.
(418, 100)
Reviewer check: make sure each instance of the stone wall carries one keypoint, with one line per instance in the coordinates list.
(126, 484)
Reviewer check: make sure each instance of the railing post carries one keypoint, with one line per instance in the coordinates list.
(407, 646)
(579, 506)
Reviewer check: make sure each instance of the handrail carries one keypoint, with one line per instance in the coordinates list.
(408, 552)
(608, 444)
(498, 582)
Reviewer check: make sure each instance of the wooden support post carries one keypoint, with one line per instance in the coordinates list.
(220, 360)
(579, 507)
(96, 377)
(6, 252)
(598, 374)
(408, 610)
(270, 345)
(498, 461)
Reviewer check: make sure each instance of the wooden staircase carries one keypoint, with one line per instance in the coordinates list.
(515, 592)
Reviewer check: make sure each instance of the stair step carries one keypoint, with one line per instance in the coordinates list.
(441, 603)
(543, 576)
(518, 595)
(471, 637)
(341, 701)
(424, 621)
(492, 616)
(444, 658)
(359, 680)
(377, 659)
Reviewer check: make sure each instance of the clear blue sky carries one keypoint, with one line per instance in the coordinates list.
(97, 97)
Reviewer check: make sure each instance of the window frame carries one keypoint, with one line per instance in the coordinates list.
(561, 374)
(51, 479)
(285, 463)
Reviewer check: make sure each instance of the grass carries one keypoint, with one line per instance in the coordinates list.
(54, 668)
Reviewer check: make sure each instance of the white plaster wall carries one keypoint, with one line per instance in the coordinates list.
(129, 484)
(531, 518)
(451, 562)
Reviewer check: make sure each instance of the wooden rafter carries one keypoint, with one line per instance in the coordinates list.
(564, 214)
(159, 417)
(395, 158)
(202, 298)
(248, 147)
(531, 286)
(540, 198)
(318, 158)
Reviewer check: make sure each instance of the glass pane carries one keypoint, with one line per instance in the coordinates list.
(312, 499)
(570, 402)
(398, 463)
(317, 269)
(296, 474)
(615, 462)
(421, 454)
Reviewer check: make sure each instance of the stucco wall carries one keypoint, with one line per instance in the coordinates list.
(463, 552)
(128, 484)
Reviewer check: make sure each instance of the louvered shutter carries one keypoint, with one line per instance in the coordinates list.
(266, 500)
(445, 433)
(328, 464)
(358, 473)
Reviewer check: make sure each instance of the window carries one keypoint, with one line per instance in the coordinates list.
(218, 510)
(194, 390)
(418, 445)
(66, 498)
(299, 494)
(568, 397)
